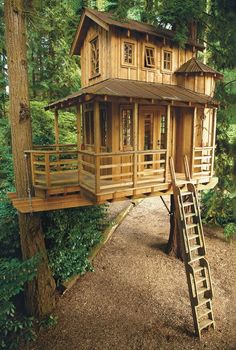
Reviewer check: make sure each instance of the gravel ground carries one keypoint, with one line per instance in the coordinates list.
(137, 298)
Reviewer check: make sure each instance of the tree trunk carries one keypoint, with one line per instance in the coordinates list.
(174, 245)
(40, 298)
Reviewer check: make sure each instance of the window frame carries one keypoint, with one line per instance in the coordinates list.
(96, 74)
(134, 44)
(130, 146)
(88, 121)
(163, 60)
(145, 47)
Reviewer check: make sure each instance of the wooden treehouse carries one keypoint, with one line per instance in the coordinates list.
(143, 99)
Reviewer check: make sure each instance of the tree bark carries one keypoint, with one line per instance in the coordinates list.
(174, 245)
(40, 298)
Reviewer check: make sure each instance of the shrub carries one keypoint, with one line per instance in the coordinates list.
(230, 230)
(70, 234)
(14, 328)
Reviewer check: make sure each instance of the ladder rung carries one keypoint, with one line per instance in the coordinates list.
(201, 290)
(187, 204)
(205, 323)
(196, 259)
(192, 236)
(189, 215)
(207, 312)
(189, 226)
(204, 301)
(202, 279)
(194, 247)
(186, 193)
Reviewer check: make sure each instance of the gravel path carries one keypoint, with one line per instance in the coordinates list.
(137, 298)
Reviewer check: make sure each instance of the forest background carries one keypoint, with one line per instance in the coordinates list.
(53, 73)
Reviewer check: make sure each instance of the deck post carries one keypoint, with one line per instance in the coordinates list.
(213, 140)
(193, 141)
(167, 141)
(56, 129)
(135, 144)
(97, 143)
(78, 122)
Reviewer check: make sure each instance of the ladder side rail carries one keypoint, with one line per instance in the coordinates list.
(183, 222)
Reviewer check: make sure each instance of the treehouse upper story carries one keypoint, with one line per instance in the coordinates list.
(143, 99)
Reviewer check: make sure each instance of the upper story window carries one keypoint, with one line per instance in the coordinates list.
(128, 53)
(94, 47)
(127, 128)
(167, 60)
(149, 57)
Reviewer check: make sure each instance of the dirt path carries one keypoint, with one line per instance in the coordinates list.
(137, 298)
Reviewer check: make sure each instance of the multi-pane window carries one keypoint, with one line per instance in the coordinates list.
(89, 127)
(103, 124)
(149, 59)
(167, 60)
(94, 56)
(127, 127)
(128, 54)
(163, 131)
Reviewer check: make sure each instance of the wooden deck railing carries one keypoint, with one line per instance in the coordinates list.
(107, 171)
(203, 162)
(54, 168)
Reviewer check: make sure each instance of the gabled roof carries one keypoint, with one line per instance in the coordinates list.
(134, 89)
(193, 66)
(107, 20)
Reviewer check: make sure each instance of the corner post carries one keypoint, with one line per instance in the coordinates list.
(56, 129)
(167, 141)
(193, 141)
(135, 144)
(213, 140)
(97, 143)
(78, 125)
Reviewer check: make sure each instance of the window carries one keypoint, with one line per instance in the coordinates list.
(127, 128)
(89, 127)
(94, 57)
(163, 131)
(149, 59)
(167, 60)
(128, 57)
(103, 124)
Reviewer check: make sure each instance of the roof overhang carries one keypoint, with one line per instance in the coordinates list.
(135, 90)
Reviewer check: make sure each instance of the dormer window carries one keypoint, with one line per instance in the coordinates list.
(94, 57)
(167, 60)
(128, 53)
(149, 57)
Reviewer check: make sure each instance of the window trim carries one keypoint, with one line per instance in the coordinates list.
(123, 147)
(134, 43)
(163, 60)
(88, 108)
(147, 46)
(92, 76)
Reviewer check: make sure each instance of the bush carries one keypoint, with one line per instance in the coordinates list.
(15, 329)
(70, 234)
(230, 230)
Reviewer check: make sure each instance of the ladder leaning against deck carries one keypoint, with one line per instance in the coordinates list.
(194, 251)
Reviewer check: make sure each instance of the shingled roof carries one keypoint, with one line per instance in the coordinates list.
(193, 66)
(107, 19)
(134, 89)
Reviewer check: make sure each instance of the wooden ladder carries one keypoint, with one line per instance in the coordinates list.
(194, 252)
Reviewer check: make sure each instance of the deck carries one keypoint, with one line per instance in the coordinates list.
(66, 178)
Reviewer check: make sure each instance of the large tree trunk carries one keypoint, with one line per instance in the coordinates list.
(40, 298)
(174, 245)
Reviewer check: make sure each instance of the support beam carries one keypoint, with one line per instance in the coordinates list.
(97, 145)
(193, 140)
(213, 140)
(56, 129)
(167, 141)
(135, 143)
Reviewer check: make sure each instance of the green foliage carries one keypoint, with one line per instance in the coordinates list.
(217, 207)
(15, 329)
(70, 234)
(230, 230)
